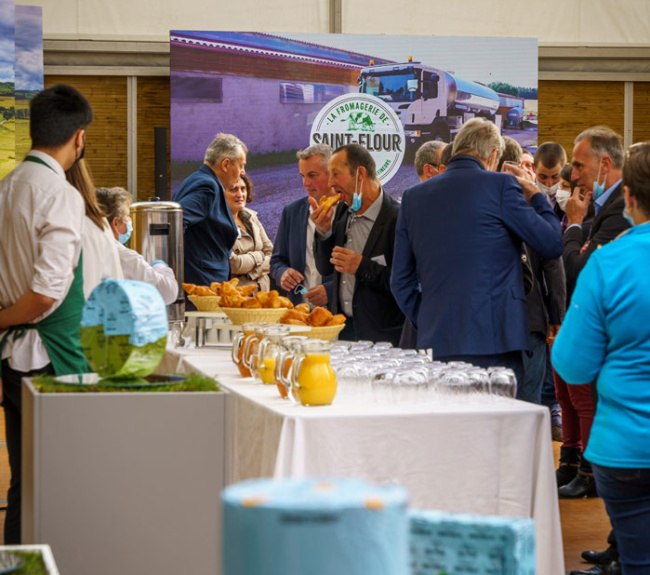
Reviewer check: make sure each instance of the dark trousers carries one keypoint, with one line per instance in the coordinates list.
(626, 493)
(12, 404)
(511, 359)
(530, 387)
(348, 333)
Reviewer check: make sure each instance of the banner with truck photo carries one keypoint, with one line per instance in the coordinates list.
(281, 93)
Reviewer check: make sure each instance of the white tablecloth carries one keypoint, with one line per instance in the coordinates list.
(489, 458)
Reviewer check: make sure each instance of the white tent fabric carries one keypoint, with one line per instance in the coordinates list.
(583, 22)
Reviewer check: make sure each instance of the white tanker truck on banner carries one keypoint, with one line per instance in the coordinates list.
(432, 104)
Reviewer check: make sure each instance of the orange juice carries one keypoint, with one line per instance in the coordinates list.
(316, 380)
(267, 370)
(245, 372)
(281, 387)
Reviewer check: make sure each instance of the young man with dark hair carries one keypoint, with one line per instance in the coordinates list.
(41, 284)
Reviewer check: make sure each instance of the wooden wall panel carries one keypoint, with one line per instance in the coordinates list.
(153, 112)
(568, 107)
(641, 123)
(106, 148)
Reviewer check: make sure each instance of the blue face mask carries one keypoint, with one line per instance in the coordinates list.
(123, 238)
(599, 189)
(628, 217)
(356, 199)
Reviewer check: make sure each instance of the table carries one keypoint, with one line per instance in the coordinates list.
(489, 458)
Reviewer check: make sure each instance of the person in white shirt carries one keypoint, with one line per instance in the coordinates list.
(41, 291)
(115, 203)
(101, 258)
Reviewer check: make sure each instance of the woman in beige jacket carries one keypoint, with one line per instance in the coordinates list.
(251, 254)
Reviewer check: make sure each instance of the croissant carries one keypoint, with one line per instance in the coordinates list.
(319, 317)
(338, 319)
(328, 201)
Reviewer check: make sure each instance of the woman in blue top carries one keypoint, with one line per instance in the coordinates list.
(606, 338)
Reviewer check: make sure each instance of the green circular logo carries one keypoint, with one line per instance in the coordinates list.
(363, 119)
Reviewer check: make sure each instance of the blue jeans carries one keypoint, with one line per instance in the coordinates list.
(530, 388)
(626, 493)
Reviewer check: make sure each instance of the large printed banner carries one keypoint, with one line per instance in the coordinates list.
(21, 77)
(7, 82)
(280, 94)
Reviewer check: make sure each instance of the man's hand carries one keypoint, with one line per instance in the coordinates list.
(553, 330)
(577, 206)
(290, 279)
(345, 261)
(317, 296)
(321, 218)
(528, 187)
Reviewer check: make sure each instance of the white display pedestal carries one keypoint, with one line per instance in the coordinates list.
(125, 483)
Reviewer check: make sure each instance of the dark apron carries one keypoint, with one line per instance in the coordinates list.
(59, 331)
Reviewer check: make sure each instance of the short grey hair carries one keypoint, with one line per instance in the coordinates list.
(224, 146)
(479, 136)
(428, 153)
(115, 202)
(604, 142)
(322, 150)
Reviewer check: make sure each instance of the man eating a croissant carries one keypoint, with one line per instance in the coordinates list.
(292, 264)
(357, 248)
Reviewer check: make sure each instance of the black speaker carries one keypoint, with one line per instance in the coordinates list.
(160, 159)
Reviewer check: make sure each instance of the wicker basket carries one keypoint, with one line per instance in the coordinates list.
(239, 315)
(327, 333)
(206, 302)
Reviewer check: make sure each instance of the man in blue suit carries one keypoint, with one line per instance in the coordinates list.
(292, 262)
(209, 231)
(457, 271)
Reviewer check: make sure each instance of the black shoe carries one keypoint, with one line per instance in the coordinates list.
(581, 486)
(565, 474)
(614, 568)
(600, 557)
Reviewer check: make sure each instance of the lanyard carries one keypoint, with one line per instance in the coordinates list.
(38, 161)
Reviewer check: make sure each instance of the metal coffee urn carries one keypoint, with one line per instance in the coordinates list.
(158, 235)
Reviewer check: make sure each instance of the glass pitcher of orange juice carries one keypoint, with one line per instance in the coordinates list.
(284, 361)
(239, 345)
(251, 351)
(313, 381)
(269, 350)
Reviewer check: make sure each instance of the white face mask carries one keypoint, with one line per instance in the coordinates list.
(550, 192)
(562, 197)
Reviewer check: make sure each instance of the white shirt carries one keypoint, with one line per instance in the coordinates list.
(41, 222)
(135, 267)
(101, 259)
(312, 277)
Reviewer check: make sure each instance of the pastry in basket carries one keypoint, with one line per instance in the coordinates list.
(231, 300)
(251, 303)
(303, 307)
(328, 201)
(230, 287)
(189, 288)
(286, 302)
(216, 287)
(203, 291)
(294, 317)
(338, 319)
(319, 317)
(273, 301)
(247, 290)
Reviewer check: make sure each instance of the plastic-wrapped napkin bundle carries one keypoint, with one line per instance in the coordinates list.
(124, 328)
(459, 544)
(314, 526)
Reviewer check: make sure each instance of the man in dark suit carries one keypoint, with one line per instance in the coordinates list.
(358, 248)
(457, 273)
(597, 161)
(209, 231)
(292, 262)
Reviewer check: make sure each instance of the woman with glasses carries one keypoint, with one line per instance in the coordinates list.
(251, 255)
(605, 339)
